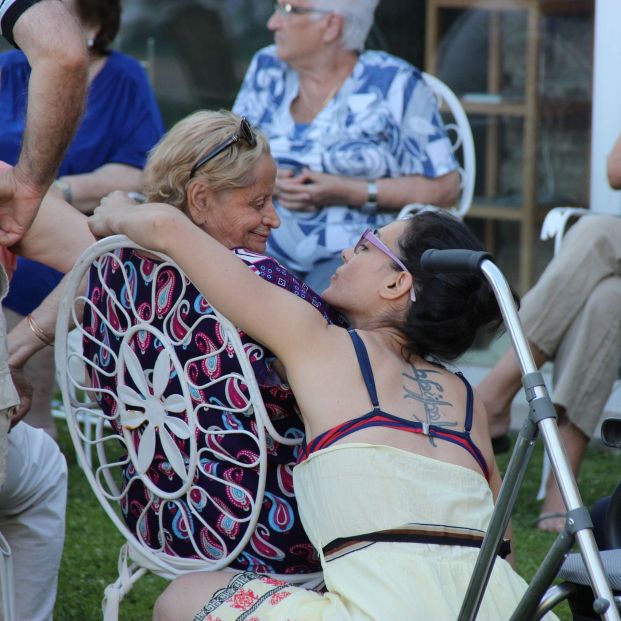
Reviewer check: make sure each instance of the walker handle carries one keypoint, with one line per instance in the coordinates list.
(453, 261)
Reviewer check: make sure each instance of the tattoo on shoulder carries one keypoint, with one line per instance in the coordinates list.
(421, 388)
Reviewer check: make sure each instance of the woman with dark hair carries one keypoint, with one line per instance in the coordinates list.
(395, 500)
(121, 124)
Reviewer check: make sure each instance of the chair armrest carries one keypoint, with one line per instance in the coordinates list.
(555, 223)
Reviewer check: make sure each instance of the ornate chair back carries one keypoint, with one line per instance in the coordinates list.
(165, 393)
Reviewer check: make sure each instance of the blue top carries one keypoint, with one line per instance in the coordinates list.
(120, 125)
(383, 122)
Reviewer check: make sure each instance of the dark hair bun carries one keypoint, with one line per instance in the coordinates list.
(450, 309)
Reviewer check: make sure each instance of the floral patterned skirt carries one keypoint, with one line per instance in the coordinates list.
(248, 597)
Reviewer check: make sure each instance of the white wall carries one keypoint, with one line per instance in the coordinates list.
(606, 123)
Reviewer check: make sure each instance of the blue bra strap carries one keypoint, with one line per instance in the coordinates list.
(469, 402)
(365, 366)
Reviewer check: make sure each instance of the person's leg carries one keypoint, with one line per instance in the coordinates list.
(32, 518)
(40, 371)
(591, 252)
(498, 388)
(185, 596)
(585, 368)
(586, 364)
(551, 518)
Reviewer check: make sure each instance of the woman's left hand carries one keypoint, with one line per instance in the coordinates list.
(147, 224)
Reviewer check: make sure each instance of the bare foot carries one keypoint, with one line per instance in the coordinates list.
(551, 518)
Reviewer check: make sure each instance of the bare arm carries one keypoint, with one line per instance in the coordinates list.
(88, 189)
(270, 314)
(23, 343)
(613, 165)
(311, 190)
(58, 235)
(54, 45)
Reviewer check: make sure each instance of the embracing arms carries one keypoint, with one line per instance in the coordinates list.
(273, 316)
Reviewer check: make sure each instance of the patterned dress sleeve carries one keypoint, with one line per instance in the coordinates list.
(262, 90)
(426, 148)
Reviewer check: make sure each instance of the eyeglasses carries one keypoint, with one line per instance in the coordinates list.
(370, 236)
(244, 132)
(290, 9)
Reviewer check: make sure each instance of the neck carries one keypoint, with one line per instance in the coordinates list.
(319, 81)
(325, 69)
(388, 338)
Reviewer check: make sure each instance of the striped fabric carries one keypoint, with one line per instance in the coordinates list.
(378, 418)
(10, 11)
(438, 534)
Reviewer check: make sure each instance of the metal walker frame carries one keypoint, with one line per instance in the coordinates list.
(541, 420)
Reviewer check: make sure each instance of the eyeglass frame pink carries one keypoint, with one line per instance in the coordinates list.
(370, 236)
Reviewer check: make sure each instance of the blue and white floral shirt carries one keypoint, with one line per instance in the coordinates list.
(383, 122)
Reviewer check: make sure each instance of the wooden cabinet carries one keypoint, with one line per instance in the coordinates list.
(530, 107)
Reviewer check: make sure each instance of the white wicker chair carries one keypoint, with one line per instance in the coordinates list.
(462, 142)
(143, 418)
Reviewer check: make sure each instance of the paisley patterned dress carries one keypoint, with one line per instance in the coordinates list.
(279, 544)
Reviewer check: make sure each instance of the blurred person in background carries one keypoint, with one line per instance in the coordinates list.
(356, 134)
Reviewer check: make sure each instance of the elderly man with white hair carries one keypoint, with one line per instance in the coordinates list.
(356, 134)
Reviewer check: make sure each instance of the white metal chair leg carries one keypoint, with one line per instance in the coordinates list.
(7, 583)
(114, 593)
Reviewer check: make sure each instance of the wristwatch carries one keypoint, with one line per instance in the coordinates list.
(370, 207)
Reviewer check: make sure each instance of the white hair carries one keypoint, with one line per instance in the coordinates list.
(357, 19)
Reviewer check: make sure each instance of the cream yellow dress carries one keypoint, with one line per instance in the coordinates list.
(353, 489)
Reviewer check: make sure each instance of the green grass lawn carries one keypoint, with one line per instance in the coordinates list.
(92, 543)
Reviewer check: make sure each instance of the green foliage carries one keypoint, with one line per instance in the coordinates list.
(92, 543)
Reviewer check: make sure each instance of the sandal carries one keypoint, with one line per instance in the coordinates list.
(557, 527)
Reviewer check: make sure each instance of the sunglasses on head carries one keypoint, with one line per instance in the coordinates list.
(370, 236)
(243, 132)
